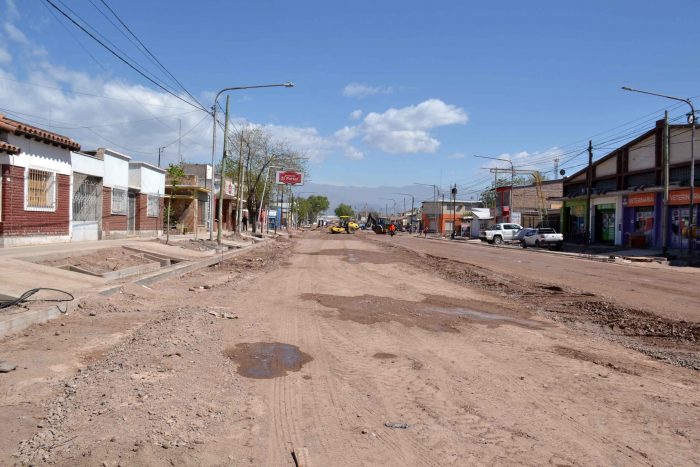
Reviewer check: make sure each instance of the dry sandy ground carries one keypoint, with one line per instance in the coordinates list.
(331, 339)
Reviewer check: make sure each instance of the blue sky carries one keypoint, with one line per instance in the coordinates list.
(387, 93)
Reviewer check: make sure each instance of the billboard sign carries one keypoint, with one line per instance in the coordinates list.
(289, 177)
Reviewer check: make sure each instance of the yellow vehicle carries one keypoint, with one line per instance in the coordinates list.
(344, 226)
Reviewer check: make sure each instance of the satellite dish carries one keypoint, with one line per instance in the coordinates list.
(562, 172)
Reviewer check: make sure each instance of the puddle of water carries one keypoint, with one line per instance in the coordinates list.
(384, 355)
(265, 360)
(433, 313)
(484, 316)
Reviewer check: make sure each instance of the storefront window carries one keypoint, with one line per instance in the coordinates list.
(644, 223)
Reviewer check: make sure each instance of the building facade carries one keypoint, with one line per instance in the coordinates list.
(627, 187)
(443, 217)
(35, 189)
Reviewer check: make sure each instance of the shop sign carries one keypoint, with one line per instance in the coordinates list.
(682, 197)
(639, 199)
(289, 177)
(605, 207)
(229, 188)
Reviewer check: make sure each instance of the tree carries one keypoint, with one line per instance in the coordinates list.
(344, 210)
(255, 156)
(175, 173)
(310, 208)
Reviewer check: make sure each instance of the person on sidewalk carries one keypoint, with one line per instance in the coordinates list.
(245, 223)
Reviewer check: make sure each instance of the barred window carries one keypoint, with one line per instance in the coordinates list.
(119, 201)
(40, 190)
(153, 208)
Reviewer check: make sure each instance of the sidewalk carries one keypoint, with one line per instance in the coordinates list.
(20, 272)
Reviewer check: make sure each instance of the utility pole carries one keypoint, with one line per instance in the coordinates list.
(160, 151)
(589, 182)
(664, 214)
(221, 178)
(441, 216)
(454, 209)
(239, 188)
(179, 141)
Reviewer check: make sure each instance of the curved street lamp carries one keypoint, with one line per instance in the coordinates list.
(213, 151)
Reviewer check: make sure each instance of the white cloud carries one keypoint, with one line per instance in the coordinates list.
(456, 155)
(131, 118)
(365, 90)
(5, 56)
(356, 114)
(15, 34)
(311, 143)
(405, 130)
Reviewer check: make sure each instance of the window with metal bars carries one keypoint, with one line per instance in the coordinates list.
(153, 208)
(40, 191)
(120, 199)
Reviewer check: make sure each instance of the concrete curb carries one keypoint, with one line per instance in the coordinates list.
(14, 324)
(180, 269)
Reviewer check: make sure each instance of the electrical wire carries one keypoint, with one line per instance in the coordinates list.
(149, 52)
(122, 59)
(25, 298)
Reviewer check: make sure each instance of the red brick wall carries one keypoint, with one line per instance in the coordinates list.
(111, 222)
(18, 222)
(143, 222)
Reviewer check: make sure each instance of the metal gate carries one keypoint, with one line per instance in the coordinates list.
(87, 207)
(131, 218)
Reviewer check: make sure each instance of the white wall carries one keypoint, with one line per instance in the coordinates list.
(679, 149)
(608, 167)
(642, 155)
(38, 155)
(152, 181)
(87, 165)
(116, 171)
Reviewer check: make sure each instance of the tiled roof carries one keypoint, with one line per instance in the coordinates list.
(8, 148)
(29, 131)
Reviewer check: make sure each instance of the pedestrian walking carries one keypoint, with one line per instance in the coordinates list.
(425, 232)
(245, 223)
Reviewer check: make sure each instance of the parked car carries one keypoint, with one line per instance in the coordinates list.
(499, 233)
(520, 235)
(543, 236)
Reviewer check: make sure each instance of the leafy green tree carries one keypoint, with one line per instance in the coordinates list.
(317, 205)
(174, 173)
(344, 210)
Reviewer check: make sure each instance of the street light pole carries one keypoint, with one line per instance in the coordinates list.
(213, 143)
(691, 120)
(512, 177)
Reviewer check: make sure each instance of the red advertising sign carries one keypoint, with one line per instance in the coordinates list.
(682, 197)
(640, 199)
(289, 177)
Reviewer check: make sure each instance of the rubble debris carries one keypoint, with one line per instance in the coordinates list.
(403, 426)
(6, 367)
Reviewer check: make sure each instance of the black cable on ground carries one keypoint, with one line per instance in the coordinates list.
(25, 297)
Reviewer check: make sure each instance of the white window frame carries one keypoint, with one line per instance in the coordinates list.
(125, 201)
(149, 205)
(51, 191)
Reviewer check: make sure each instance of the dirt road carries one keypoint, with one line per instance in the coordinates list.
(313, 347)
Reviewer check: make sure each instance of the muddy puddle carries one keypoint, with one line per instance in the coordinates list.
(265, 360)
(433, 313)
(384, 355)
(358, 256)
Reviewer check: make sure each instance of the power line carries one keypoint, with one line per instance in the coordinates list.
(122, 59)
(149, 52)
